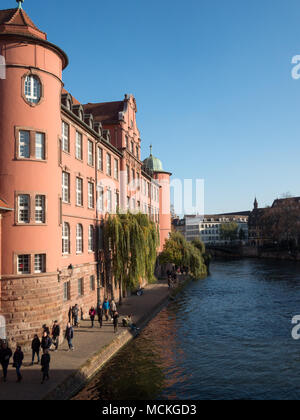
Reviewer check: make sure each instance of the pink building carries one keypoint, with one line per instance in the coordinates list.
(63, 166)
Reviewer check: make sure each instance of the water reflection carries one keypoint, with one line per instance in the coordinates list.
(225, 337)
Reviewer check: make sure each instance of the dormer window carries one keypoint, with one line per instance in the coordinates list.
(81, 115)
(69, 105)
(32, 89)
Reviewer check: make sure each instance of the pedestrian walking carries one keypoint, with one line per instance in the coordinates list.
(46, 329)
(116, 321)
(69, 336)
(81, 314)
(75, 315)
(55, 334)
(35, 347)
(5, 355)
(113, 308)
(92, 314)
(100, 315)
(18, 360)
(45, 362)
(46, 341)
(106, 308)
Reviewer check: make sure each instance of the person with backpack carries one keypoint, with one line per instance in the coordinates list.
(46, 341)
(69, 335)
(45, 362)
(35, 347)
(55, 334)
(92, 314)
(18, 360)
(5, 355)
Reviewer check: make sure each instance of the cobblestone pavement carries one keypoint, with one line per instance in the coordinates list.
(87, 341)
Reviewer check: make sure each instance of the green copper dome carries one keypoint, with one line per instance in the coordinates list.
(152, 163)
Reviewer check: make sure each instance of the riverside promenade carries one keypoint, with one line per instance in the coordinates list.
(70, 371)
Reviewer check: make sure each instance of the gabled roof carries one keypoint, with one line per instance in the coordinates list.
(16, 21)
(74, 100)
(105, 112)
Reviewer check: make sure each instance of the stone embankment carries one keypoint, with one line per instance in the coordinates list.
(70, 371)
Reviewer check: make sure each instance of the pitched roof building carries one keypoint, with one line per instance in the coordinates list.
(63, 166)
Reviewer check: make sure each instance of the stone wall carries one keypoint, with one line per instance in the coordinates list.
(28, 302)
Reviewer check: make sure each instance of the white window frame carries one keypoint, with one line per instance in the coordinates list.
(40, 263)
(40, 213)
(39, 146)
(108, 164)
(116, 169)
(90, 153)
(32, 89)
(65, 135)
(79, 238)
(24, 144)
(79, 153)
(100, 198)
(91, 200)
(66, 234)
(100, 159)
(24, 209)
(79, 191)
(65, 187)
(91, 238)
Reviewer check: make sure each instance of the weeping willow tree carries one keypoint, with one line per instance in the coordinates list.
(177, 250)
(132, 241)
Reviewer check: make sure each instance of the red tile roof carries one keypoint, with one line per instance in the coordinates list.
(105, 112)
(74, 100)
(16, 21)
(4, 206)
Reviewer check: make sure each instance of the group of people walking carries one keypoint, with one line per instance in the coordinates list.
(37, 346)
(107, 310)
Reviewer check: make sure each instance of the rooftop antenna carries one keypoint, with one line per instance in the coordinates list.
(150, 149)
(20, 3)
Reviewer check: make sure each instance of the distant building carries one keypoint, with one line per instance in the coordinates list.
(208, 227)
(283, 211)
(255, 225)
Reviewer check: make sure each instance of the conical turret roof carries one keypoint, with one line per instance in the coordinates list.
(16, 21)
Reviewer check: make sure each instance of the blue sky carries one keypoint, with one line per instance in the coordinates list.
(212, 80)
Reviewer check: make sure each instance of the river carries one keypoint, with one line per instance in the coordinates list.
(225, 337)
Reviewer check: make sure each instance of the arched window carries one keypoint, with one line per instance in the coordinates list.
(66, 238)
(91, 238)
(79, 239)
(32, 89)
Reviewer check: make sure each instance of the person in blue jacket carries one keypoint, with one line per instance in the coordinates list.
(106, 308)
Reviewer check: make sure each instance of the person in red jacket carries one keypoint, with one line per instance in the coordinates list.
(92, 314)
